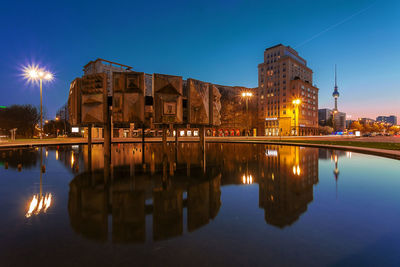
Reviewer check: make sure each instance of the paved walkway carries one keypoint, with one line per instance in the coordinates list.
(395, 154)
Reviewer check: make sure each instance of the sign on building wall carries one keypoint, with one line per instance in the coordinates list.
(167, 99)
(94, 98)
(128, 96)
(198, 102)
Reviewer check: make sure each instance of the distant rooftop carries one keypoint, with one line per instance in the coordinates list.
(110, 62)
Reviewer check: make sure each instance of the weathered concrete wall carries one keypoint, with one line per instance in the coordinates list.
(94, 98)
(128, 97)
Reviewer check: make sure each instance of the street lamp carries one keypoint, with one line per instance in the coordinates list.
(247, 95)
(32, 74)
(296, 103)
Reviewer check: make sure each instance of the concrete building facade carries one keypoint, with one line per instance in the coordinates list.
(230, 114)
(282, 78)
(105, 66)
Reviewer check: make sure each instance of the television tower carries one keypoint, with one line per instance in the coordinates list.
(335, 93)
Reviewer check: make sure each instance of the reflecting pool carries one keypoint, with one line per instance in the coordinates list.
(227, 204)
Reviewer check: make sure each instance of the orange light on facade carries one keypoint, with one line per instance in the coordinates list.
(247, 94)
(296, 102)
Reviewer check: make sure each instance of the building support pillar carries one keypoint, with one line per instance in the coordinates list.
(107, 144)
(202, 140)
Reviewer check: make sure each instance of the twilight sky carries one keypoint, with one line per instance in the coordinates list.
(218, 41)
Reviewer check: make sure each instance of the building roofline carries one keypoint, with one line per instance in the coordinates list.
(108, 61)
(273, 46)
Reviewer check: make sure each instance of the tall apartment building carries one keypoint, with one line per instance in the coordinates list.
(282, 78)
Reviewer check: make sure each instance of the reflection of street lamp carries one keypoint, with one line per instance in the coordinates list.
(39, 202)
(247, 95)
(296, 170)
(247, 179)
(34, 73)
(296, 103)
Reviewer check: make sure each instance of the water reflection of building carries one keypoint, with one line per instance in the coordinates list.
(129, 199)
(285, 174)
(170, 182)
(286, 187)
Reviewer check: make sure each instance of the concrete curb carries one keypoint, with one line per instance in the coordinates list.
(393, 154)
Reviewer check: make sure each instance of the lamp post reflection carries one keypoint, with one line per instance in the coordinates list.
(39, 203)
(296, 170)
(247, 179)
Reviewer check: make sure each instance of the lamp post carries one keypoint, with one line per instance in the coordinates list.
(296, 103)
(247, 95)
(334, 119)
(34, 73)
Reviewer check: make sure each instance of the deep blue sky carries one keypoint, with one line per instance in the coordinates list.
(219, 41)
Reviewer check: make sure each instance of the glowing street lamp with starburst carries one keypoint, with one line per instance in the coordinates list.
(33, 73)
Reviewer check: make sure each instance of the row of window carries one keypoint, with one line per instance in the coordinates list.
(273, 54)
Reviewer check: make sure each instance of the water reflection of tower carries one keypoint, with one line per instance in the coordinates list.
(333, 156)
(336, 170)
(287, 186)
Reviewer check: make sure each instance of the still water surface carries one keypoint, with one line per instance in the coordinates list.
(235, 204)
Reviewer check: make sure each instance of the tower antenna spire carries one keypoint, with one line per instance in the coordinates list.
(335, 77)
